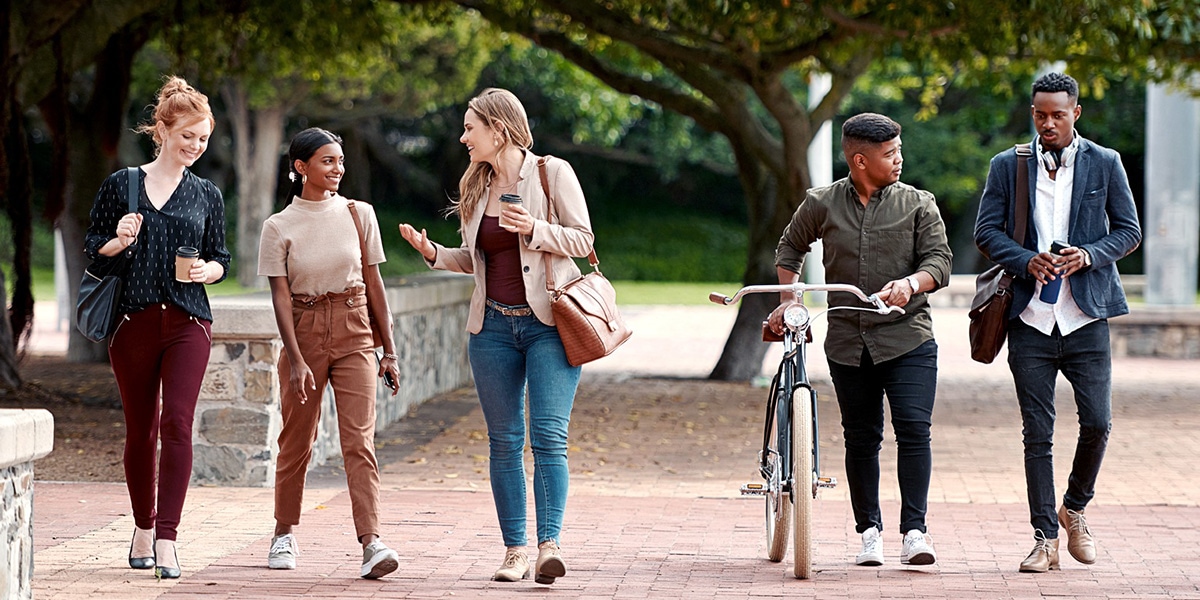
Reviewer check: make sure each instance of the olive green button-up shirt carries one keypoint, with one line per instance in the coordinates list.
(898, 233)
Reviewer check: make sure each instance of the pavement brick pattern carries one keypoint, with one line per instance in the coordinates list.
(657, 457)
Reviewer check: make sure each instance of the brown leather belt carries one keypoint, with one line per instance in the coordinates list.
(523, 311)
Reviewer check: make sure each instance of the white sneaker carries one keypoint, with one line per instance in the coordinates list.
(378, 560)
(284, 551)
(917, 550)
(872, 549)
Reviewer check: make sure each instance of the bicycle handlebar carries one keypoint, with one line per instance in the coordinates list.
(800, 288)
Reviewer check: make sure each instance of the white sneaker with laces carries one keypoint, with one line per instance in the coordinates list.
(917, 549)
(872, 549)
(378, 560)
(284, 551)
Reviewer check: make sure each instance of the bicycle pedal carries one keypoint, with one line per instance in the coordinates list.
(754, 489)
(826, 482)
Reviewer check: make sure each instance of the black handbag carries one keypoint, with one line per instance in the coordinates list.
(993, 293)
(103, 281)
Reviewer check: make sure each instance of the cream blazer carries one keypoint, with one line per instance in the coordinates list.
(570, 235)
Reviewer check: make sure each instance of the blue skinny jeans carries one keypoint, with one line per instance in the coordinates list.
(508, 356)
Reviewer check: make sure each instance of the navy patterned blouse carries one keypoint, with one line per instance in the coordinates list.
(193, 216)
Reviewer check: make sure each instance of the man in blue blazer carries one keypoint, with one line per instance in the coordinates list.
(1080, 198)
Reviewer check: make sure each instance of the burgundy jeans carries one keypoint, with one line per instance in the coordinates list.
(159, 347)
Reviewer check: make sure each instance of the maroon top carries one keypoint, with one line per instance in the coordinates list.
(502, 255)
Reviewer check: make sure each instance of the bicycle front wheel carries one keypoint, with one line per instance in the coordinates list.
(802, 487)
(779, 506)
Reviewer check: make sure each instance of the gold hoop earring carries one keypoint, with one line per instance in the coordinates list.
(303, 178)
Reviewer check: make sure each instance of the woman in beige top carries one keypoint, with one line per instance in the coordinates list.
(310, 252)
(514, 345)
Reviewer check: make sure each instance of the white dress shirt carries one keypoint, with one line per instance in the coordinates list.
(1051, 219)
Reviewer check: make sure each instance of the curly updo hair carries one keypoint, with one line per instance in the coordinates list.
(178, 104)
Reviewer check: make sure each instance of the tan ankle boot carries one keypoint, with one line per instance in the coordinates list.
(1079, 539)
(515, 567)
(550, 565)
(1044, 556)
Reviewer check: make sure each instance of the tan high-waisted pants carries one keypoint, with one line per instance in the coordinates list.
(334, 336)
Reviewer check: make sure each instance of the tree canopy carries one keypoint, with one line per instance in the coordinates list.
(740, 69)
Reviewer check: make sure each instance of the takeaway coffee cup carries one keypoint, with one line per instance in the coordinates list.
(507, 199)
(185, 257)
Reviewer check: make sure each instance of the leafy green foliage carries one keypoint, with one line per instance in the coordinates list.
(332, 56)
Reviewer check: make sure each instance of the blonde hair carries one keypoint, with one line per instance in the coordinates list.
(177, 103)
(494, 106)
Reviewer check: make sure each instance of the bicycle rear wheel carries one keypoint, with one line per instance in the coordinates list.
(779, 506)
(802, 488)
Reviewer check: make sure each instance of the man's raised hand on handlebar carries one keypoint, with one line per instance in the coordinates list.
(899, 291)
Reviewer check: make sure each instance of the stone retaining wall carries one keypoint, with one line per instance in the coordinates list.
(237, 417)
(25, 436)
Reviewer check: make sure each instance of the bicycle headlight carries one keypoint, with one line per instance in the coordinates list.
(795, 316)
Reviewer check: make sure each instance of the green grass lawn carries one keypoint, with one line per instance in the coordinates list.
(628, 292)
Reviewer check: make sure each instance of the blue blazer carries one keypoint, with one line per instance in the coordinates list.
(1104, 222)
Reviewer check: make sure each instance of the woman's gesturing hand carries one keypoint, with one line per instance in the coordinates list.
(419, 240)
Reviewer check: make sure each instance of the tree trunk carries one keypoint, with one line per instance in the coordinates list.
(742, 357)
(9, 376)
(20, 214)
(91, 130)
(257, 136)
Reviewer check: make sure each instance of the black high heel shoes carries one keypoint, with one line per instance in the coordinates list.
(162, 572)
(140, 562)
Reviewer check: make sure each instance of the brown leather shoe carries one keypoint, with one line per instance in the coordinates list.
(1044, 556)
(1079, 540)
(550, 565)
(515, 567)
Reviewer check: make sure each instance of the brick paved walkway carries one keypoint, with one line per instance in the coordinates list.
(654, 511)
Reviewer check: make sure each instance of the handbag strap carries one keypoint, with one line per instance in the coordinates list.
(551, 216)
(362, 247)
(134, 189)
(1022, 208)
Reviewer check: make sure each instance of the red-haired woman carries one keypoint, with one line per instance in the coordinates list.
(163, 338)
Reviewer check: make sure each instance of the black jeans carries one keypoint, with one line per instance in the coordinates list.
(1085, 358)
(910, 382)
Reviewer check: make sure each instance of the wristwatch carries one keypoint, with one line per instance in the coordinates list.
(913, 283)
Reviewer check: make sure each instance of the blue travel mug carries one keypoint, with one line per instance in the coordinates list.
(1050, 289)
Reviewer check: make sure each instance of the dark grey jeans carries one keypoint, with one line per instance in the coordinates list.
(1085, 359)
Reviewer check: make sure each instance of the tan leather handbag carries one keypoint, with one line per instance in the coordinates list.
(585, 308)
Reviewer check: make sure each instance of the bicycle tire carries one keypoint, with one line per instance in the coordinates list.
(802, 487)
(778, 504)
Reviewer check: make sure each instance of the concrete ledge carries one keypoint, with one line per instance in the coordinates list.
(1157, 331)
(25, 435)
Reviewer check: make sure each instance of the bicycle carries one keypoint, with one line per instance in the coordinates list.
(789, 461)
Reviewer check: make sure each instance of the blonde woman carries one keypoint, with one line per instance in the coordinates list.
(515, 351)
(163, 338)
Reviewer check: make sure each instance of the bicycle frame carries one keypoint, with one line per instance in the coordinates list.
(794, 462)
(791, 376)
